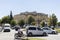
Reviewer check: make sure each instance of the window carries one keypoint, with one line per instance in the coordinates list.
(32, 28)
(6, 26)
(39, 28)
(46, 28)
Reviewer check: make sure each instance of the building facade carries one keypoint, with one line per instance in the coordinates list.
(37, 16)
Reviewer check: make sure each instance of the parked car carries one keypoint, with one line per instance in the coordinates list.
(35, 31)
(49, 30)
(6, 28)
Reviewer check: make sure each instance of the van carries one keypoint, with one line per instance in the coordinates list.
(35, 31)
(6, 28)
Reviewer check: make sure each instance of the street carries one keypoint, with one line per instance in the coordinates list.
(50, 37)
(10, 36)
(7, 35)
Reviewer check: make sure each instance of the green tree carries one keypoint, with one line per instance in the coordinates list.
(13, 23)
(30, 20)
(6, 19)
(58, 23)
(53, 20)
(33, 23)
(0, 22)
(43, 24)
(50, 21)
(21, 23)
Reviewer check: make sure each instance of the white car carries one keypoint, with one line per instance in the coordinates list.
(7, 28)
(35, 31)
(49, 30)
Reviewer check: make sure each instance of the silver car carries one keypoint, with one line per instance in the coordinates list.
(49, 30)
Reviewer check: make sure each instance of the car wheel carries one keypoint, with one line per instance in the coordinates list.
(44, 34)
(30, 34)
(53, 32)
(56, 32)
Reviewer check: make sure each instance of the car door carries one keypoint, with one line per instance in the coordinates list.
(39, 31)
(47, 30)
(33, 30)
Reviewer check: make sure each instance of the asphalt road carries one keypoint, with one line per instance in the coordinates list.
(10, 36)
(7, 35)
(50, 37)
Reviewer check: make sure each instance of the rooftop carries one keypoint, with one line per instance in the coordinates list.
(33, 13)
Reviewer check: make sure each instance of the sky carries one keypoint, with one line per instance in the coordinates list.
(18, 6)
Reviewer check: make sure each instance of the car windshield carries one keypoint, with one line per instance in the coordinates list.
(6, 26)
